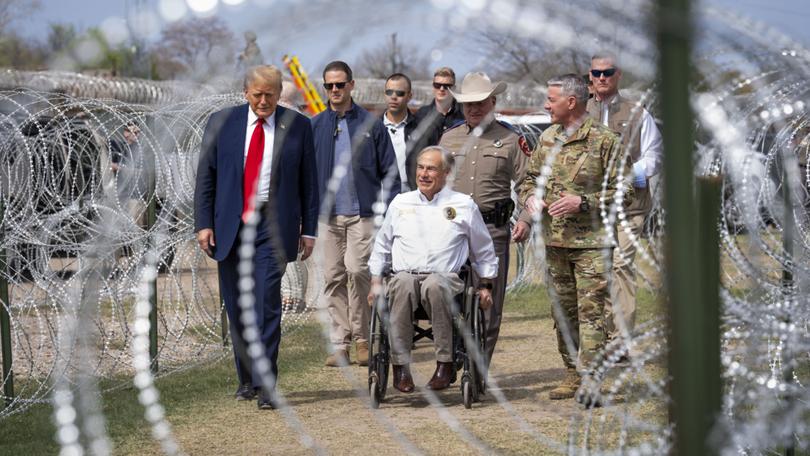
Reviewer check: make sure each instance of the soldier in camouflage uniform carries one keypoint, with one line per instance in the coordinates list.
(489, 156)
(586, 177)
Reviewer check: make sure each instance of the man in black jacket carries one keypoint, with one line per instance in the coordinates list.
(443, 113)
(407, 135)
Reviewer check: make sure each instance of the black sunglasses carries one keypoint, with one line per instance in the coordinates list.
(400, 93)
(438, 85)
(608, 73)
(339, 85)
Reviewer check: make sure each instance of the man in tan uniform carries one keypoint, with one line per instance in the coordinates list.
(642, 140)
(489, 156)
(585, 174)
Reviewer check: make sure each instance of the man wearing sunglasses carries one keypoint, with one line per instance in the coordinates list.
(490, 157)
(406, 134)
(641, 138)
(444, 112)
(355, 161)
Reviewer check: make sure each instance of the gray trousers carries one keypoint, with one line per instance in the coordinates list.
(435, 292)
(492, 316)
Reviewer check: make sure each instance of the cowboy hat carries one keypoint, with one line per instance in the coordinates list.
(477, 87)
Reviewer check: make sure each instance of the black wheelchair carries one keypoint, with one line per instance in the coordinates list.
(468, 343)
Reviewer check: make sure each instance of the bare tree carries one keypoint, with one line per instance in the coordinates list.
(520, 59)
(61, 37)
(195, 48)
(394, 57)
(11, 10)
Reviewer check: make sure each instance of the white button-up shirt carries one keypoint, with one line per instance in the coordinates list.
(267, 157)
(397, 133)
(652, 146)
(433, 236)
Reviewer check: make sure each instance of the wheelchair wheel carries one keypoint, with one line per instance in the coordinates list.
(472, 378)
(467, 391)
(378, 357)
(479, 335)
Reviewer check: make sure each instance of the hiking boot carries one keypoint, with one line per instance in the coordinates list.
(567, 389)
(590, 393)
(340, 358)
(361, 349)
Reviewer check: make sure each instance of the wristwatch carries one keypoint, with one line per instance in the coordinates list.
(485, 285)
(584, 205)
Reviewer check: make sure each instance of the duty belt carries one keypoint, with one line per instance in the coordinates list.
(502, 213)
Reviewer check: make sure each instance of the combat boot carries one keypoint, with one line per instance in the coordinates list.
(361, 349)
(567, 389)
(340, 358)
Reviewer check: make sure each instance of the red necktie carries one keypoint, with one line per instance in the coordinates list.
(253, 165)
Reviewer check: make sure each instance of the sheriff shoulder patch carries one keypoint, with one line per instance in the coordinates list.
(524, 146)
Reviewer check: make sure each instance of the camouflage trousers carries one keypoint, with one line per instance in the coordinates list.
(578, 287)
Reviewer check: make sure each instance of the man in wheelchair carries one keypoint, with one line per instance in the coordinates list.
(427, 236)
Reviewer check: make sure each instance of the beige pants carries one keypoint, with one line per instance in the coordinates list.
(620, 306)
(435, 292)
(347, 243)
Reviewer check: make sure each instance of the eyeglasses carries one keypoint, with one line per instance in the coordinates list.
(339, 85)
(608, 72)
(438, 85)
(390, 92)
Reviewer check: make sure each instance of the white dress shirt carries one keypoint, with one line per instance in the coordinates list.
(650, 155)
(267, 157)
(433, 236)
(397, 133)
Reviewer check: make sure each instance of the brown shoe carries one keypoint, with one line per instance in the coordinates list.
(340, 358)
(567, 389)
(402, 378)
(362, 353)
(445, 375)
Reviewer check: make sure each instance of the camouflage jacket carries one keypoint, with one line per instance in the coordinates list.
(586, 162)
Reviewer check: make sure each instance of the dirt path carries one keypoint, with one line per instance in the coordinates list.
(333, 409)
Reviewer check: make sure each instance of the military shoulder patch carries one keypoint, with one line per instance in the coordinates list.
(524, 146)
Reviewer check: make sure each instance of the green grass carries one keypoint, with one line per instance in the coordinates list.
(532, 301)
(186, 396)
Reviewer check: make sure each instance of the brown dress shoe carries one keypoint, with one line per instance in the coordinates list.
(445, 375)
(402, 378)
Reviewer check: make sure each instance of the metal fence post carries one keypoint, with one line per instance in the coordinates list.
(151, 219)
(788, 283)
(687, 366)
(5, 321)
(709, 195)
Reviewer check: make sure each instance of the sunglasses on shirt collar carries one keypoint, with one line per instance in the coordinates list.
(339, 85)
(608, 72)
(390, 92)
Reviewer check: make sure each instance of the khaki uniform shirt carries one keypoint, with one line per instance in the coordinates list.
(586, 161)
(487, 165)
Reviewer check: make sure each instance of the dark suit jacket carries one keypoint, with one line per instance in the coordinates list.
(417, 137)
(293, 206)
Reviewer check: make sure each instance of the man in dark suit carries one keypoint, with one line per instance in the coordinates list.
(256, 163)
(407, 135)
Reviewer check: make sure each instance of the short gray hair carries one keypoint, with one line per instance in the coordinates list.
(606, 55)
(448, 160)
(571, 85)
